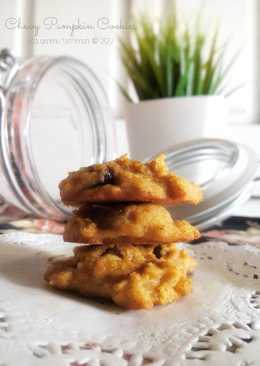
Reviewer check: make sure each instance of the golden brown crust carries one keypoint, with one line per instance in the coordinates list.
(143, 223)
(125, 180)
(134, 277)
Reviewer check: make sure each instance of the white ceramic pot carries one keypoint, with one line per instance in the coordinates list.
(155, 125)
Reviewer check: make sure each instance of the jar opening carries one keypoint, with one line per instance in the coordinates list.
(56, 121)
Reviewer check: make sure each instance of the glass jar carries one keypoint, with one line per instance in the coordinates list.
(55, 118)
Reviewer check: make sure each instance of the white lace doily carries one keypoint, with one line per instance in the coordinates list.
(218, 324)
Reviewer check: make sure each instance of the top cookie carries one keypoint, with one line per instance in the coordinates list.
(125, 180)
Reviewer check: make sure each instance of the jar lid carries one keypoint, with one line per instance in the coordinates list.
(224, 170)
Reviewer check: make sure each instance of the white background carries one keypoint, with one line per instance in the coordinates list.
(238, 20)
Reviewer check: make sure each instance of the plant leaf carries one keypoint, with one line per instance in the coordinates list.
(124, 92)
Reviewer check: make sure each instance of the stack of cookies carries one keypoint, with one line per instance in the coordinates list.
(129, 238)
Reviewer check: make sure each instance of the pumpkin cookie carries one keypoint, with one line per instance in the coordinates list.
(128, 180)
(143, 223)
(134, 277)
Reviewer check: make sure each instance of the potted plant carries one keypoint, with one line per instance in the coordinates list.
(177, 75)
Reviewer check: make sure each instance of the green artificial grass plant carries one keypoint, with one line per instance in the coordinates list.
(173, 60)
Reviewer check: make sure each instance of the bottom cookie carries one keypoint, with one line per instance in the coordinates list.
(134, 277)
